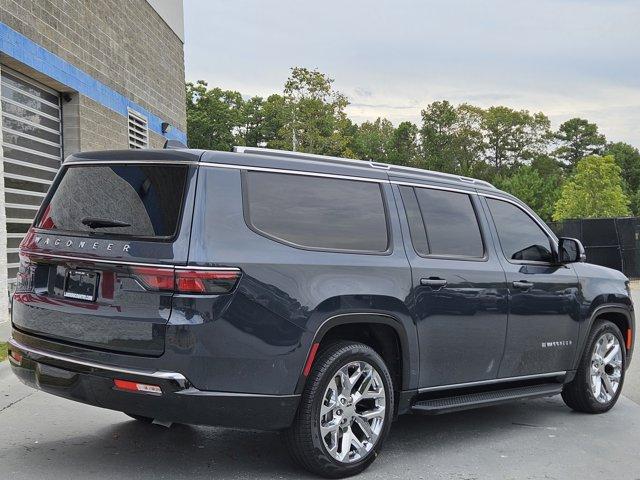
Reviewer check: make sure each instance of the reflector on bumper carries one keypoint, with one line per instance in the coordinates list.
(129, 386)
(15, 357)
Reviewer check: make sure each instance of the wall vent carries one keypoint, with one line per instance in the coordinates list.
(138, 130)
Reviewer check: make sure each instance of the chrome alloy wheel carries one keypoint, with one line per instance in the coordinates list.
(606, 368)
(352, 413)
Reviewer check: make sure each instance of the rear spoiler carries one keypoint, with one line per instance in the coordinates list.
(173, 145)
(170, 155)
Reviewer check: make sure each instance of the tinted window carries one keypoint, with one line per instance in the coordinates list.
(521, 238)
(314, 212)
(414, 218)
(449, 219)
(144, 200)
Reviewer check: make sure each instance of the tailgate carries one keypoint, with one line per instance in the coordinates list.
(92, 268)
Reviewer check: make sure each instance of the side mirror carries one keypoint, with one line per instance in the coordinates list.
(571, 250)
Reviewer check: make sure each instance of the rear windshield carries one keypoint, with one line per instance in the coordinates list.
(118, 200)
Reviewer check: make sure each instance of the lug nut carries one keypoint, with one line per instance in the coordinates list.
(338, 412)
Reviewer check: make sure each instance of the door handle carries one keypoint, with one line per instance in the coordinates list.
(433, 282)
(522, 284)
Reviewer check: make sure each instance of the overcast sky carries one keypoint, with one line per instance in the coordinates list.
(565, 58)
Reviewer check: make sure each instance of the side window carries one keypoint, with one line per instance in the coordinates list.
(442, 223)
(521, 238)
(321, 213)
(414, 217)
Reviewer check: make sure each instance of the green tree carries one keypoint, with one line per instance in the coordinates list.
(577, 138)
(403, 148)
(316, 120)
(373, 140)
(213, 116)
(513, 136)
(438, 136)
(450, 137)
(537, 190)
(252, 129)
(275, 115)
(380, 141)
(628, 159)
(593, 190)
(548, 167)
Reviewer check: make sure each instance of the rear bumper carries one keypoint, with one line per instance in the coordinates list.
(180, 402)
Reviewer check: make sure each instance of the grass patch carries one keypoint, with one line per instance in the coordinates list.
(3, 351)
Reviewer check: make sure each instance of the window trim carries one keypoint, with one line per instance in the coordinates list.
(551, 238)
(109, 236)
(473, 198)
(244, 172)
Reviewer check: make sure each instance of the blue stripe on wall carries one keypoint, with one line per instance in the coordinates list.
(33, 55)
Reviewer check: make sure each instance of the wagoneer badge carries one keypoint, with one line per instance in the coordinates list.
(83, 244)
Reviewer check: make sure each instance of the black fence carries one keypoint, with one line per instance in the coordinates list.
(611, 242)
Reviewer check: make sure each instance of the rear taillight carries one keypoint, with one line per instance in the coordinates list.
(183, 280)
(206, 281)
(154, 278)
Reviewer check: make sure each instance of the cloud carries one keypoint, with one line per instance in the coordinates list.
(392, 58)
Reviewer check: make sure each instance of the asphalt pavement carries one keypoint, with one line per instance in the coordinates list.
(45, 437)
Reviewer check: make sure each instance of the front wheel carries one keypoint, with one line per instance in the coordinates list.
(345, 411)
(600, 376)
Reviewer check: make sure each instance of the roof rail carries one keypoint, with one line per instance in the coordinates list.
(288, 153)
(378, 165)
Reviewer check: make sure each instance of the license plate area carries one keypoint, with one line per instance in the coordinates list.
(81, 285)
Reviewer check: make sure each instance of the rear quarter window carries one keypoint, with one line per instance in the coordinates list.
(317, 213)
(117, 200)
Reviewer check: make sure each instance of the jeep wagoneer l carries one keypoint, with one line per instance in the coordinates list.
(314, 295)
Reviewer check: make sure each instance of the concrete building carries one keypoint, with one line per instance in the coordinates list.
(80, 75)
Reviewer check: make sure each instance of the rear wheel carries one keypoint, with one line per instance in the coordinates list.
(600, 375)
(345, 412)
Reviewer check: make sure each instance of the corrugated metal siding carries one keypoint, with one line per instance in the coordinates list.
(32, 146)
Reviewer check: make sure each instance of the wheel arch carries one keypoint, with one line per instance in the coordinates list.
(359, 326)
(620, 316)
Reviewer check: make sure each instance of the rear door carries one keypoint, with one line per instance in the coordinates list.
(90, 267)
(459, 290)
(543, 295)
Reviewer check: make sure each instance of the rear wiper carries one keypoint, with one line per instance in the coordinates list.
(103, 223)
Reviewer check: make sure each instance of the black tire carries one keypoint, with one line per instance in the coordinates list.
(303, 439)
(578, 394)
(139, 418)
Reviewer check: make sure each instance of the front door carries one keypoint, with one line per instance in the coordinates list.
(459, 290)
(543, 295)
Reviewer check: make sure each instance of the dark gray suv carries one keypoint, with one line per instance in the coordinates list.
(319, 296)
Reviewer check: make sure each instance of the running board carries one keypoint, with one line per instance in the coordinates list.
(435, 406)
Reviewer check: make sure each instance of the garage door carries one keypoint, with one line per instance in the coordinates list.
(32, 146)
